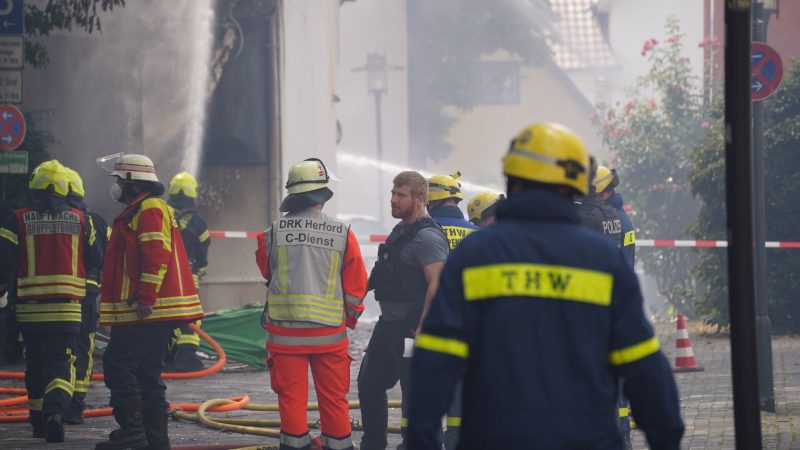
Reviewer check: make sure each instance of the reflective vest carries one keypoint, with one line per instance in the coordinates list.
(452, 221)
(306, 257)
(146, 263)
(50, 271)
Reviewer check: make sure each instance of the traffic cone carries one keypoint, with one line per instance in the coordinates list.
(684, 355)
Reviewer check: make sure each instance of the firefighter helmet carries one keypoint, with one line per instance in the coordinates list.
(75, 182)
(605, 179)
(50, 173)
(482, 202)
(133, 167)
(307, 185)
(443, 187)
(183, 183)
(549, 153)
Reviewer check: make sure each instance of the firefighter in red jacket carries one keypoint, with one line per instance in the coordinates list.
(46, 245)
(316, 280)
(147, 291)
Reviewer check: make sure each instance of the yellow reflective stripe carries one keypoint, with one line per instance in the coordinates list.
(537, 280)
(47, 279)
(204, 236)
(48, 312)
(634, 352)
(93, 283)
(152, 236)
(189, 339)
(35, 404)
(150, 278)
(75, 246)
(624, 412)
(108, 233)
(439, 344)
(6, 233)
(126, 280)
(59, 289)
(83, 385)
(283, 269)
(196, 280)
(304, 312)
(126, 316)
(333, 273)
(92, 231)
(58, 383)
(403, 422)
(294, 300)
(630, 238)
(30, 246)
(453, 421)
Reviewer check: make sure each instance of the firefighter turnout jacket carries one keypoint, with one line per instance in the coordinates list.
(317, 281)
(146, 263)
(196, 240)
(599, 216)
(51, 255)
(540, 316)
(452, 221)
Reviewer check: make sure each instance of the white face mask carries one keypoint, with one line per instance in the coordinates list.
(115, 191)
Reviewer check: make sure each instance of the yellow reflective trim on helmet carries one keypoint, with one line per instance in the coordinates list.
(624, 412)
(7, 234)
(634, 353)
(537, 280)
(630, 238)
(443, 345)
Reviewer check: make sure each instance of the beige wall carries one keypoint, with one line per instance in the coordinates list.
(481, 135)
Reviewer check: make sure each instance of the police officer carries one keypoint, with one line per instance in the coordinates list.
(46, 244)
(182, 196)
(444, 195)
(597, 213)
(628, 230)
(404, 278)
(541, 316)
(482, 208)
(84, 343)
(144, 296)
(317, 281)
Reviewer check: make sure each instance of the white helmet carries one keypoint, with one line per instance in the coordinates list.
(135, 168)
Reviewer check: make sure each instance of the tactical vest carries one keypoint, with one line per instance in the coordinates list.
(51, 278)
(393, 279)
(305, 258)
(603, 219)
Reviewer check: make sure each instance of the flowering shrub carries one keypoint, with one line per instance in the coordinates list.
(651, 138)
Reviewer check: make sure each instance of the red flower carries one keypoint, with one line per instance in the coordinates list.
(629, 106)
(651, 103)
(674, 38)
(648, 45)
(705, 125)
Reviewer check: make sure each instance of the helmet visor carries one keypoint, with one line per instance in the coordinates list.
(107, 162)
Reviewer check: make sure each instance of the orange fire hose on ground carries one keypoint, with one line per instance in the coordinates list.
(17, 415)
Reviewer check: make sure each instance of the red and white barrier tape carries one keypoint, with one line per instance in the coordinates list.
(376, 238)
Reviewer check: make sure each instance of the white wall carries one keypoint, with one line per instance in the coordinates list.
(308, 79)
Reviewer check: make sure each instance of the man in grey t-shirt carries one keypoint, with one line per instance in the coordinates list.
(405, 279)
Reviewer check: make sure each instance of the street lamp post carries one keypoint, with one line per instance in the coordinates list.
(377, 69)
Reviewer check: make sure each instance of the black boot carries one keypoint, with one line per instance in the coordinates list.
(36, 418)
(75, 415)
(54, 426)
(186, 359)
(155, 426)
(128, 413)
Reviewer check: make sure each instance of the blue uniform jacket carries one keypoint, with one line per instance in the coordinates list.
(628, 231)
(452, 221)
(540, 316)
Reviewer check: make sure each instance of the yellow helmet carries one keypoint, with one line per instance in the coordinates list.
(307, 176)
(75, 182)
(183, 183)
(50, 173)
(604, 179)
(549, 153)
(480, 203)
(442, 187)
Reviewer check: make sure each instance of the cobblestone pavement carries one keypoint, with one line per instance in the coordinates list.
(706, 401)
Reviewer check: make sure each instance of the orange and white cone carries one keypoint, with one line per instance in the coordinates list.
(684, 355)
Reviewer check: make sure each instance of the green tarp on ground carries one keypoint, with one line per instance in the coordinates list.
(240, 334)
